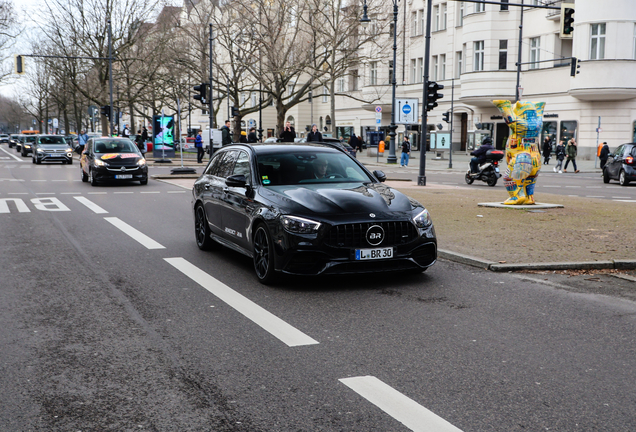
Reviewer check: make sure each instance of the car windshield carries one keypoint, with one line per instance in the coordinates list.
(52, 140)
(115, 146)
(29, 138)
(311, 166)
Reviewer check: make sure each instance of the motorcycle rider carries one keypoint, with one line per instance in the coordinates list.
(480, 155)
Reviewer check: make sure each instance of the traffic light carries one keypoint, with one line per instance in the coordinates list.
(105, 110)
(567, 20)
(433, 94)
(19, 64)
(203, 93)
(575, 64)
(310, 97)
(445, 117)
(235, 111)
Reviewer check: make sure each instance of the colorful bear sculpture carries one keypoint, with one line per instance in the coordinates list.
(523, 156)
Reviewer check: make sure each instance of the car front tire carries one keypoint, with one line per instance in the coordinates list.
(264, 256)
(91, 178)
(202, 229)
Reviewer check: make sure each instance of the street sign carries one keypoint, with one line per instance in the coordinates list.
(55, 123)
(378, 109)
(378, 121)
(599, 130)
(407, 110)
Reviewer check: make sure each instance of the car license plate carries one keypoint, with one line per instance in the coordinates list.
(123, 176)
(373, 254)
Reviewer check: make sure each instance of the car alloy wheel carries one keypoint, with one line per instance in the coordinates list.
(91, 178)
(622, 179)
(263, 256)
(202, 229)
(606, 177)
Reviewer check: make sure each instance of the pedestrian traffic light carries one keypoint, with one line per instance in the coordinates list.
(575, 64)
(433, 94)
(235, 111)
(203, 93)
(105, 110)
(19, 64)
(445, 117)
(567, 20)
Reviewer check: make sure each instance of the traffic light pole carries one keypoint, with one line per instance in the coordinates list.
(421, 178)
(110, 74)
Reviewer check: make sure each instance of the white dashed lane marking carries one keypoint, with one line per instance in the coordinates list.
(134, 233)
(269, 322)
(91, 205)
(402, 408)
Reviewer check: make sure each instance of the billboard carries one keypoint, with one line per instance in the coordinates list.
(163, 136)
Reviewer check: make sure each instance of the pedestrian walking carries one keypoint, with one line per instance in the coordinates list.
(141, 145)
(198, 143)
(82, 139)
(251, 137)
(315, 134)
(570, 152)
(559, 152)
(243, 137)
(226, 135)
(144, 134)
(547, 150)
(288, 134)
(125, 132)
(406, 151)
(604, 154)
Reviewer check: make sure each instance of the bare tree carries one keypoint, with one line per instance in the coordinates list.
(8, 31)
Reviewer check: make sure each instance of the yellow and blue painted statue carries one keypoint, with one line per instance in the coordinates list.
(525, 120)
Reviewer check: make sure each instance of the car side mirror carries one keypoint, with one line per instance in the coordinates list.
(237, 180)
(380, 175)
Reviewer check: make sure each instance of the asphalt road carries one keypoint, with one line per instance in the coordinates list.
(112, 319)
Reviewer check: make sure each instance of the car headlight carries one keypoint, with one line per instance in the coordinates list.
(39, 150)
(141, 162)
(298, 225)
(27, 146)
(99, 162)
(423, 219)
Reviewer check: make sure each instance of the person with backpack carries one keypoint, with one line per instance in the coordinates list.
(604, 154)
(406, 151)
(560, 155)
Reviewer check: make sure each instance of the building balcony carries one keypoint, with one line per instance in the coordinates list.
(481, 88)
(604, 80)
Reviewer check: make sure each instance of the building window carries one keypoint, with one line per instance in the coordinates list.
(597, 42)
(535, 52)
(460, 15)
(391, 29)
(634, 56)
(254, 100)
(420, 69)
(414, 22)
(391, 71)
(503, 54)
(325, 94)
(458, 66)
(478, 60)
(568, 130)
(434, 68)
(437, 24)
(243, 98)
(373, 75)
(422, 22)
(413, 71)
(480, 6)
(442, 67)
(341, 85)
(354, 80)
(504, 6)
(444, 15)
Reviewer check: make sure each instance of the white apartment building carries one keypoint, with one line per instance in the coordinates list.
(475, 46)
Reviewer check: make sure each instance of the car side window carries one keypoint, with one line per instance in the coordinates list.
(214, 163)
(226, 165)
(619, 151)
(242, 165)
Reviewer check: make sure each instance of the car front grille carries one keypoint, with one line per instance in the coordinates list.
(354, 235)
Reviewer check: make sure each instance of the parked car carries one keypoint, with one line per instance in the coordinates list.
(337, 142)
(112, 159)
(49, 148)
(4, 139)
(621, 165)
(308, 209)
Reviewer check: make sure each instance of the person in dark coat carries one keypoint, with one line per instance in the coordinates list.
(251, 137)
(288, 134)
(314, 135)
(605, 151)
(354, 141)
(226, 135)
(144, 134)
(547, 150)
(559, 152)
(480, 155)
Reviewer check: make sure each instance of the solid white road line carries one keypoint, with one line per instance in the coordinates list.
(134, 233)
(12, 155)
(624, 200)
(90, 204)
(405, 410)
(278, 328)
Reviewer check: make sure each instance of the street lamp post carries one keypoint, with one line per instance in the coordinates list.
(364, 21)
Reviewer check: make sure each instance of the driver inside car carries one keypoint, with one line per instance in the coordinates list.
(320, 168)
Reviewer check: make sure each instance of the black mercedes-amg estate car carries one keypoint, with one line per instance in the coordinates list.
(308, 209)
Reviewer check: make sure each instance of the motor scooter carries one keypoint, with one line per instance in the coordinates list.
(489, 170)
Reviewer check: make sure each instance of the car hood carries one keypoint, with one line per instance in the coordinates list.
(337, 198)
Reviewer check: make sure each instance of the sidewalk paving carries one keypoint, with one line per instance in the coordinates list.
(581, 236)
